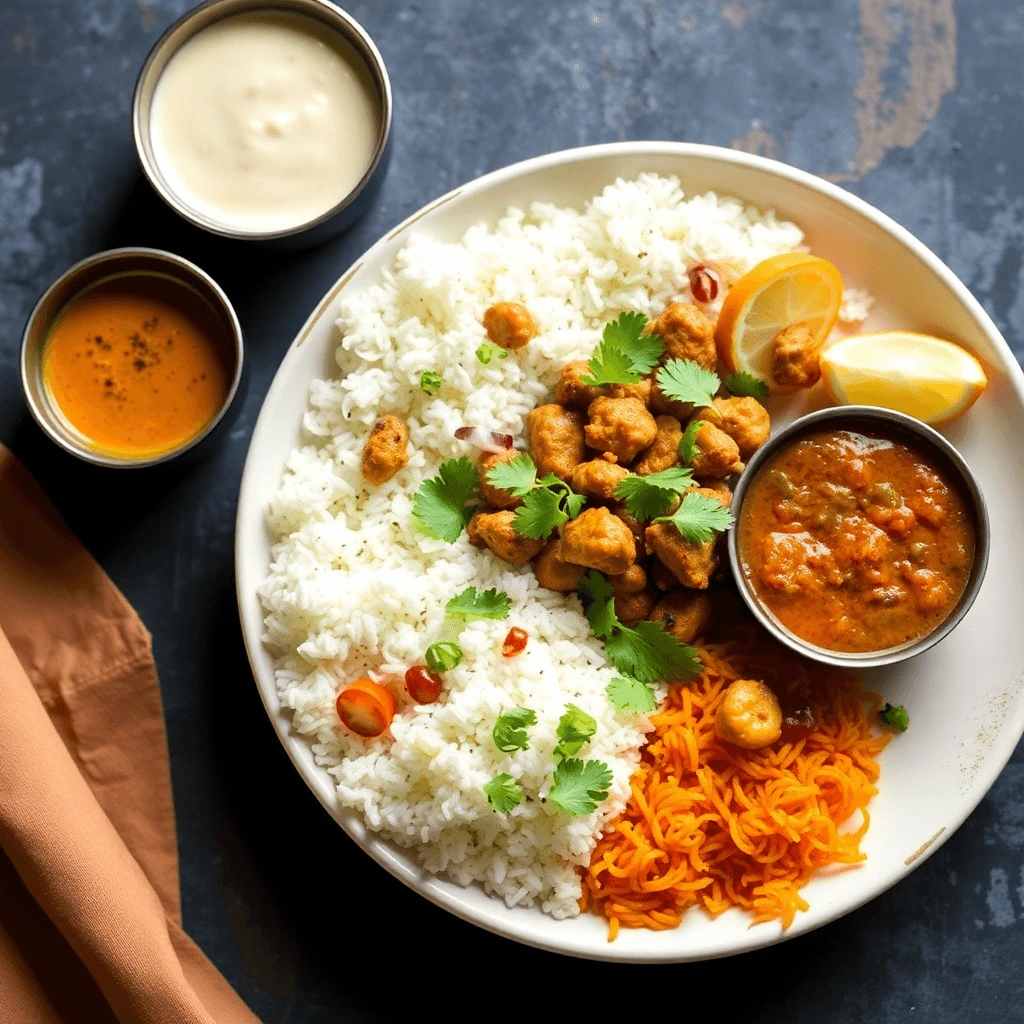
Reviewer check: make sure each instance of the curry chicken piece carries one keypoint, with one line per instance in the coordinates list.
(691, 564)
(688, 333)
(745, 420)
(497, 497)
(598, 540)
(634, 597)
(686, 614)
(386, 450)
(571, 390)
(749, 715)
(717, 454)
(663, 452)
(622, 426)
(553, 572)
(598, 478)
(556, 439)
(509, 324)
(496, 531)
(795, 357)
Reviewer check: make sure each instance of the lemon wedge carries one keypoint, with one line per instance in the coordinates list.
(780, 291)
(925, 377)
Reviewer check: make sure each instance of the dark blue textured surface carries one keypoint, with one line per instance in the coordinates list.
(912, 105)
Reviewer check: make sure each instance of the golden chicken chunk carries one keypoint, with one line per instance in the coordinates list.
(664, 450)
(598, 478)
(622, 426)
(691, 564)
(554, 573)
(495, 530)
(631, 608)
(497, 497)
(795, 357)
(509, 325)
(556, 439)
(632, 581)
(746, 421)
(717, 489)
(386, 450)
(598, 540)
(717, 454)
(684, 614)
(634, 525)
(749, 715)
(661, 577)
(688, 333)
(571, 390)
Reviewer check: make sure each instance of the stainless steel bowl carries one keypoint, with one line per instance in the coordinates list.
(101, 267)
(329, 223)
(868, 419)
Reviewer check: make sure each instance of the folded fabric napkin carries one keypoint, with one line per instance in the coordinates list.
(90, 914)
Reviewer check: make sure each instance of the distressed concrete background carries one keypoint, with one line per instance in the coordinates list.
(915, 105)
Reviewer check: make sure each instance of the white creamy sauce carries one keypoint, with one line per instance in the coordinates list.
(263, 122)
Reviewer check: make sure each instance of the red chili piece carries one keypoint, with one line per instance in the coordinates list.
(423, 685)
(514, 642)
(703, 283)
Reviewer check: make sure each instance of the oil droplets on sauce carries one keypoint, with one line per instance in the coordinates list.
(263, 122)
(137, 365)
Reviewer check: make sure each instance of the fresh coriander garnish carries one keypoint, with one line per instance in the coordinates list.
(443, 656)
(699, 518)
(430, 382)
(896, 717)
(440, 504)
(488, 604)
(575, 728)
(487, 351)
(503, 793)
(547, 503)
(688, 442)
(578, 788)
(629, 694)
(746, 385)
(649, 496)
(510, 730)
(683, 380)
(624, 353)
(645, 652)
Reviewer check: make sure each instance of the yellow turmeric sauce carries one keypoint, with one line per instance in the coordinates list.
(137, 364)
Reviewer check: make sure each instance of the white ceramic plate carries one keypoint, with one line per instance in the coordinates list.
(965, 696)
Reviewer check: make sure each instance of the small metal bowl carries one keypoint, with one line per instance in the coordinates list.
(327, 224)
(887, 423)
(102, 267)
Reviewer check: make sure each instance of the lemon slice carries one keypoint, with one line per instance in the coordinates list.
(780, 291)
(925, 377)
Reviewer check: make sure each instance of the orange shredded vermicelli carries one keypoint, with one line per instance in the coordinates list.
(718, 826)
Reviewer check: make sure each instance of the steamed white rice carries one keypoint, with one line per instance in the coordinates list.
(356, 589)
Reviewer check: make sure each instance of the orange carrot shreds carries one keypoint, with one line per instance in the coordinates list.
(713, 825)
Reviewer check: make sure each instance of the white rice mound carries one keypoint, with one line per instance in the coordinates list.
(355, 588)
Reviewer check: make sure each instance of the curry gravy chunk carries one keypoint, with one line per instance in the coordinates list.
(855, 542)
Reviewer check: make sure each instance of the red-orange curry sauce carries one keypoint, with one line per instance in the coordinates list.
(855, 542)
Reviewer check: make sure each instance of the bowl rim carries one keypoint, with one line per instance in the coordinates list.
(330, 15)
(930, 440)
(250, 524)
(187, 272)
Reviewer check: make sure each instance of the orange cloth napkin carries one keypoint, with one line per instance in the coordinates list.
(90, 914)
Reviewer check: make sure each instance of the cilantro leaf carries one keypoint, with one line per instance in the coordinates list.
(688, 442)
(430, 382)
(503, 793)
(624, 353)
(487, 351)
(580, 787)
(540, 514)
(443, 656)
(896, 717)
(699, 518)
(518, 477)
(575, 728)
(573, 503)
(510, 729)
(440, 504)
(645, 652)
(746, 385)
(649, 496)
(683, 380)
(490, 604)
(628, 694)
